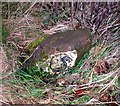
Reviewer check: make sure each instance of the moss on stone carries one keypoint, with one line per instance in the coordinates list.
(30, 48)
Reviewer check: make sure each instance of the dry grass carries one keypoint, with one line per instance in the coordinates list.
(26, 22)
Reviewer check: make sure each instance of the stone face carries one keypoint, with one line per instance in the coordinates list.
(62, 43)
(62, 61)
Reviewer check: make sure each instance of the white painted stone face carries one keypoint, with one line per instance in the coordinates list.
(63, 60)
(60, 61)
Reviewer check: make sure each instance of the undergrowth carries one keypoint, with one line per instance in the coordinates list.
(95, 76)
(36, 83)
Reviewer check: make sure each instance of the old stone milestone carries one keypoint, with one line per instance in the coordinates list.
(61, 51)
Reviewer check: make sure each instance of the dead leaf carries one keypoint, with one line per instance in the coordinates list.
(105, 97)
(61, 82)
(101, 67)
(78, 92)
(77, 26)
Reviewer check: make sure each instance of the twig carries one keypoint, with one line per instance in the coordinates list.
(107, 76)
(30, 7)
(104, 103)
(109, 84)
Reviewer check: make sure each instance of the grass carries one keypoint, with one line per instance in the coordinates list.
(26, 83)
(81, 100)
(5, 33)
(36, 83)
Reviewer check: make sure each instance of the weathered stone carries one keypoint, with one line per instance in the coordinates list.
(62, 43)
